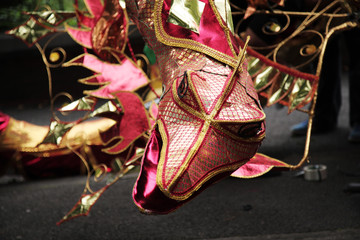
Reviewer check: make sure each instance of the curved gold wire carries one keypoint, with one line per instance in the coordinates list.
(277, 49)
(62, 57)
(282, 29)
(48, 66)
(113, 52)
(260, 48)
(48, 74)
(309, 18)
(88, 172)
(53, 99)
(305, 157)
(103, 174)
(146, 60)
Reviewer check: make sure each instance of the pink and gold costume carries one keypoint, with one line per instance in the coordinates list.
(208, 124)
(210, 121)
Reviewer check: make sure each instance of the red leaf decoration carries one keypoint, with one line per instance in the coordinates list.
(133, 124)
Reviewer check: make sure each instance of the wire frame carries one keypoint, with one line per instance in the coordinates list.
(290, 48)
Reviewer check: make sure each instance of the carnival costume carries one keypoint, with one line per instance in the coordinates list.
(209, 121)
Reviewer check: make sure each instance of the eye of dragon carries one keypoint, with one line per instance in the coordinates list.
(249, 130)
(183, 86)
(244, 130)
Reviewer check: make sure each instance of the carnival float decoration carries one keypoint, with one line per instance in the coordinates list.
(208, 122)
(286, 56)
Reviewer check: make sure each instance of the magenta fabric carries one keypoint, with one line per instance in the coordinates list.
(95, 6)
(209, 30)
(111, 77)
(257, 166)
(147, 196)
(133, 123)
(4, 121)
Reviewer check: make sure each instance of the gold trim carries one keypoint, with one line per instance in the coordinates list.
(184, 105)
(194, 149)
(163, 151)
(224, 27)
(183, 167)
(208, 121)
(43, 152)
(101, 85)
(270, 167)
(204, 116)
(88, 31)
(121, 138)
(256, 175)
(168, 40)
(231, 81)
(209, 176)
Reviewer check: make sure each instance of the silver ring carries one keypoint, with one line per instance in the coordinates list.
(317, 172)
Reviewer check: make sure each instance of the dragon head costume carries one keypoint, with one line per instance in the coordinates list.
(210, 121)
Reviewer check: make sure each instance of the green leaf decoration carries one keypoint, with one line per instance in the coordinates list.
(51, 18)
(30, 32)
(56, 132)
(83, 206)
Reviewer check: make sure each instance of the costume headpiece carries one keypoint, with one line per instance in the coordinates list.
(209, 121)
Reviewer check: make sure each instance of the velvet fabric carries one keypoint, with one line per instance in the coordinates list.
(147, 196)
(133, 124)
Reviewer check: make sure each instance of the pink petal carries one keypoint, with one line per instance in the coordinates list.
(95, 7)
(81, 36)
(257, 166)
(116, 77)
